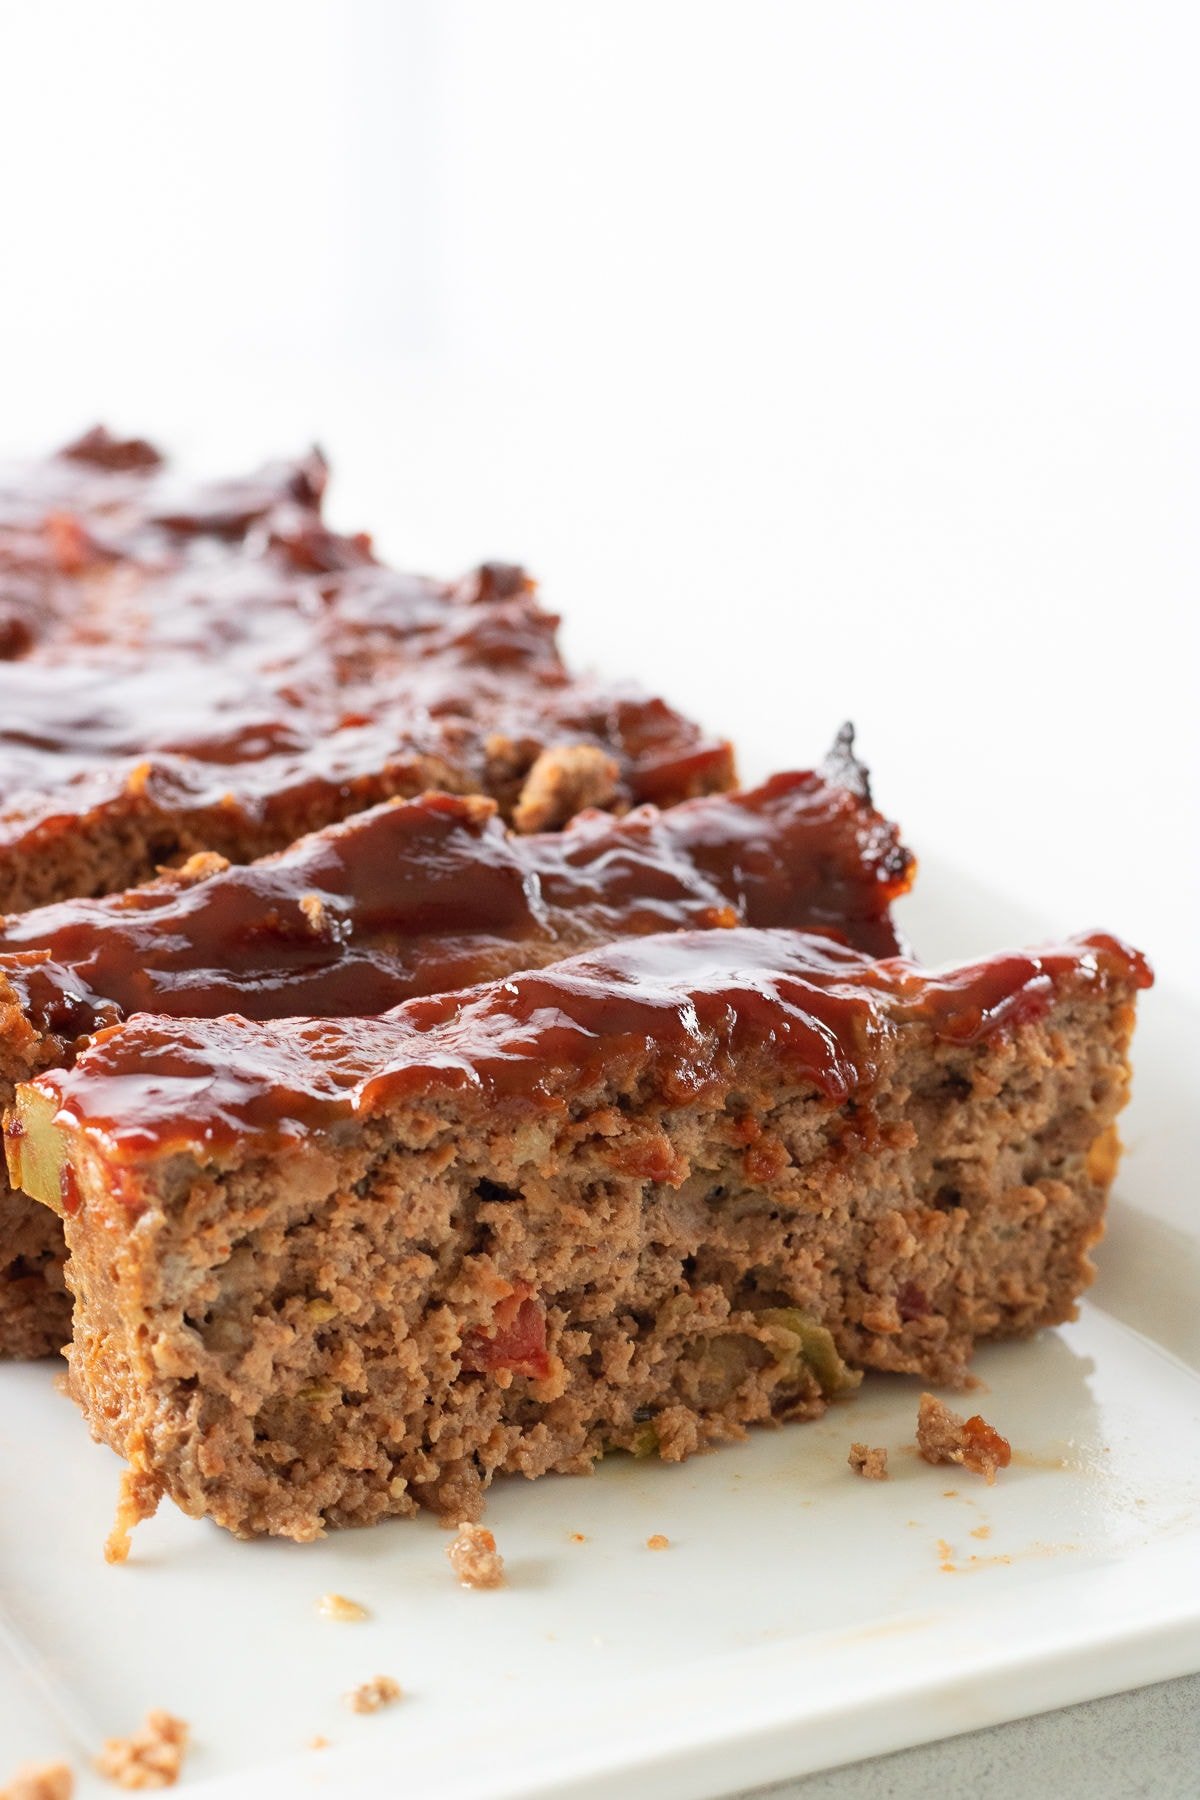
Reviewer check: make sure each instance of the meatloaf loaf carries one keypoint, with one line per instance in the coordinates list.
(215, 670)
(406, 899)
(327, 1271)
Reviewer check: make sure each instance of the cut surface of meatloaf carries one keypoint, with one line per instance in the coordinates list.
(214, 669)
(327, 1271)
(412, 897)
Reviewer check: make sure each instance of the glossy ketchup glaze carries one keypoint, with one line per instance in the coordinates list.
(677, 1012)
(82, 531)
(435, 893)
(218, 652)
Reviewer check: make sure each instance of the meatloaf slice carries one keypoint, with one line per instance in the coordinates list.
(330, 1271)
(82, 530)
(214, 669)
(409, 898)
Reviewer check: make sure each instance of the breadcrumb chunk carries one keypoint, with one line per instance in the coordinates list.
(944, 1436)
(137, 1499)
(200, 866)
(337, 1606)
(475, 1558)
(563, 781)
(370, 1696)
(151, 1758)
(868, 1461)
(313, 908)
(40, 1781)
(658, 1542)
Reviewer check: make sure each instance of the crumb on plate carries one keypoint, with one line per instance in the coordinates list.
(40, 1781)
(337, 1606)
(318, 1742)
(475, 1558)
(945, 1437)
(658, 1542)
(869, 1462)
(151, 1758)
(370, 1696)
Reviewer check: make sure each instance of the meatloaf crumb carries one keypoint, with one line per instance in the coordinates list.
(944, 1436)
(870, 1463)
(314, 910)
(475, 1558)
(563, 781)
(658, 1542)
(337, 1606)
(40, 1781)
(370, 1696)
(137, 1499)
(151, 1758)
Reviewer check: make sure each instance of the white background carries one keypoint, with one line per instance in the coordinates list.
(829, 359)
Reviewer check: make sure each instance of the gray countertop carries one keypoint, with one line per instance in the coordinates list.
(1146, 1743)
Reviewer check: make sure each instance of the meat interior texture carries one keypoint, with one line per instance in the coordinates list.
(406, 899)
(211, 668)
(35, 1306)
(329, 1272)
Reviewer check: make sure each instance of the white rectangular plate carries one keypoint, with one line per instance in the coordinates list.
(799, 1618)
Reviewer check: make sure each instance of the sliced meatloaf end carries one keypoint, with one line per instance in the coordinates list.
(328, 1271)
